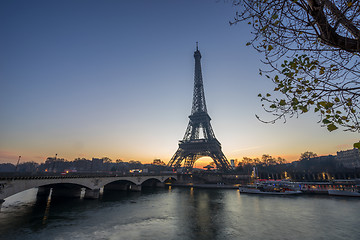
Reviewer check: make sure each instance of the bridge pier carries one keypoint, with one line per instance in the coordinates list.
(1, 202)
(66, 192)
(135, 188)
(92, 193)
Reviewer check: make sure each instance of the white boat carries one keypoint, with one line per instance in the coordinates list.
(271, 188)
(348, 193)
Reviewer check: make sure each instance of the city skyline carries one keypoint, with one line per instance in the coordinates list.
(115, 79)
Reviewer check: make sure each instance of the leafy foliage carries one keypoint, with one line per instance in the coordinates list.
(312, 48)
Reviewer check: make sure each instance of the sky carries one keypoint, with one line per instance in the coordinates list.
(86, 78)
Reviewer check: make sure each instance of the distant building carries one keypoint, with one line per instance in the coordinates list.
(97, 164)
(82, 165)
(54, 159)
(232, 163)
(349, 158)
(55, 164)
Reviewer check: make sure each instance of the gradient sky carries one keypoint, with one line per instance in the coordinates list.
(85, 78)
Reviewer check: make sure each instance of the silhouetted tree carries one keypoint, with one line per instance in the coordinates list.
(281, 160)
(307, 156)
(106, 160)
(267, 160)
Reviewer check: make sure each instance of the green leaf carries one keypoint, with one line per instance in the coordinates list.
(325, 121)
(331, 127)
(304, 109)
(294, 101)
(275, 16)
(282, 102)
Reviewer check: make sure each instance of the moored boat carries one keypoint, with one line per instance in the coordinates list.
(271, 188)
(348, 192)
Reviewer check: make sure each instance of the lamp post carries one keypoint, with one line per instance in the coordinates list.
(17, 164)
(53, 163)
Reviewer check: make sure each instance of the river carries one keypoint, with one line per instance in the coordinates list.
(180, 213)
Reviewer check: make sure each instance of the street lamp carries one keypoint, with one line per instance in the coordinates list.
(17, 164)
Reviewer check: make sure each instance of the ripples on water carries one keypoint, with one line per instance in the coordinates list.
(180, 213)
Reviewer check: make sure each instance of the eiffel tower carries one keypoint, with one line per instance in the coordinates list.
(193, 146)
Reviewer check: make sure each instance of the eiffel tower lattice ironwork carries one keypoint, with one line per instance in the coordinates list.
(194, 146)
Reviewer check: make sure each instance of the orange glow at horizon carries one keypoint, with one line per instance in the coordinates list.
(202, 162)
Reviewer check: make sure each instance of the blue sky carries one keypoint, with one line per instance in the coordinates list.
(84, 78)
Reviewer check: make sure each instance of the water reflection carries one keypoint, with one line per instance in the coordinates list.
(23, 209)
(47, 209)
(179, 213)
(197, 212)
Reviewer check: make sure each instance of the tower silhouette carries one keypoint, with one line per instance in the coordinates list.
(194, 146)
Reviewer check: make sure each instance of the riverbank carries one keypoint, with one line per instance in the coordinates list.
(209, 186)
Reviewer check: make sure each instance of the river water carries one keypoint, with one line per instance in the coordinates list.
(180, 213)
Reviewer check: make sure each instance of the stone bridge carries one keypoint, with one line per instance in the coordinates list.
(71, 185)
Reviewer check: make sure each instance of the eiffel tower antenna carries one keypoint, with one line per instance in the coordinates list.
(194, 146)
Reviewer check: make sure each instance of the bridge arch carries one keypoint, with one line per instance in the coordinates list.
(110, 181)
(137, 179)
(122, 184)
(151, 182)
(10, 188)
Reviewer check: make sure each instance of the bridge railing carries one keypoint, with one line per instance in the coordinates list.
(45, 175)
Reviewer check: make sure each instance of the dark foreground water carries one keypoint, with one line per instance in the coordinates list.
(181, 213)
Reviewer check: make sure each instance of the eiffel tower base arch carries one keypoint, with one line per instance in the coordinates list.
(190, 151)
